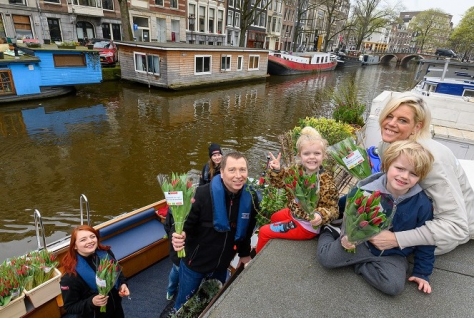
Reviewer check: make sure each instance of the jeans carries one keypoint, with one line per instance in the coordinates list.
(173, 280)
(190, 280)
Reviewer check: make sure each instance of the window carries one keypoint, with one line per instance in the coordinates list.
(22, 26)
(468, 92)
(237, 4)
(6, 83)
(211, 20)
(106, 31)
(147, 63)
(237, 20)
(225, 62)
(2, 28)
(88, 3)
(174, 4)
(253, 62)
(116, 31)
(202, 18)
(230, 16)
(54, 30)
(202, 65)
(69, 60)
(220, 18)
(53, 1)
(108, 4)
(230, 3)
(17, 2)
(84, 30)
(240, 63)
(159, 2)
(192, 17)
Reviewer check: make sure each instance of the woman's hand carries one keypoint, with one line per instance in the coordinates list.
(317, 220)
(124, 292)
(177, 240)
(347, 244)
(100, 300)
(384, 240)
(423, 285)
(274, 163)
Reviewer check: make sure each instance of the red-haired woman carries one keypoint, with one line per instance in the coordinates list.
(78, 285)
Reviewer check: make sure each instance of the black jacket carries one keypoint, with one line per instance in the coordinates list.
(77, 296)
(206, 174)
(207, 249)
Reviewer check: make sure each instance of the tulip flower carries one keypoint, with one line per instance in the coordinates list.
(304, 188)
(179, 195)
(366, 215)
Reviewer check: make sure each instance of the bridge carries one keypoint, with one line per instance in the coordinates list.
(402, 57)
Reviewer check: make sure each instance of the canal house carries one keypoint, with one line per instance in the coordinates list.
(180, 65)
(46, 71)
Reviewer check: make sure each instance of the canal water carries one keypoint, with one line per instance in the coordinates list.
(110, 141)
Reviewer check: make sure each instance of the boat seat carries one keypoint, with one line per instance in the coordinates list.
(131, 234)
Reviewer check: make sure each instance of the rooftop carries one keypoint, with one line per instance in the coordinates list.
(286, 280)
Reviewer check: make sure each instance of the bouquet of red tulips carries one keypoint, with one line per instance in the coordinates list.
(366, 215)
(106, 277)
(179, 194)
(304, 188)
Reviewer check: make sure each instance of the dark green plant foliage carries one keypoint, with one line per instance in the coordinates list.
(350, 114)
(199, 301)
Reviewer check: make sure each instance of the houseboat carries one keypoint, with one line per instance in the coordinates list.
(181, 65)
(45, 71)
(368, 59)
(283, 63)
(445, 79)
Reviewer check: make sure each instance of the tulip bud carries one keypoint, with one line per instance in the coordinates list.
(363, 223)
(376, 221)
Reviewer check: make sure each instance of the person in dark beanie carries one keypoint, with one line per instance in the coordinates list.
(213, 166)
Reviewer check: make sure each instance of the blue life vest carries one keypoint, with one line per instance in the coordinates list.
(87, 273)
(221, 221)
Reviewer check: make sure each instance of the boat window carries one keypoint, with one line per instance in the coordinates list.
(69, 60)
(6, 83)
(468, 92)
(225, 62)
(147, 63)
(254, 62)
(317, 60)
(202, 64)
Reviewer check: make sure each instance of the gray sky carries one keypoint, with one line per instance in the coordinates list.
(454, 7)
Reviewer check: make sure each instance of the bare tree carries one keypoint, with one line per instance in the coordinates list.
(368, 16)
(251, 11)
(126, 25)
(335, 20)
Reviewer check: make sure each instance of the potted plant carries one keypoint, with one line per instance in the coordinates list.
(42, 279)
(33, 45)
(11, 296)
(67, 45)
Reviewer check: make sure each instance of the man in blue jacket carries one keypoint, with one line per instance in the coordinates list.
(220, 224)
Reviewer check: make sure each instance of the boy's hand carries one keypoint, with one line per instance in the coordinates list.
(347, 244)
(423, 285)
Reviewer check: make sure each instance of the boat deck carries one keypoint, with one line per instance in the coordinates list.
(148, 291)
(286, 280)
